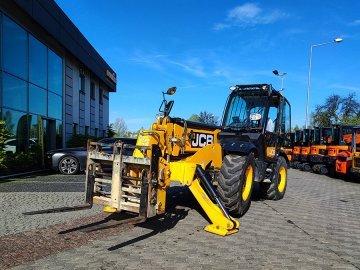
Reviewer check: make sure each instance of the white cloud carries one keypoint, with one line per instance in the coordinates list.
(344, 87)
(190, 65)
(245, 12)
(221, 26)
(249, 14)
(355, 23)
(151, 60)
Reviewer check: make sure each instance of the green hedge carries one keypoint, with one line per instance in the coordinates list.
(21, 162)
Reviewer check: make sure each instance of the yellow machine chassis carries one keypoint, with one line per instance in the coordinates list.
(183, 170)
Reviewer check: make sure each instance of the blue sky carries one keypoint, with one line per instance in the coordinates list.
(203, 47)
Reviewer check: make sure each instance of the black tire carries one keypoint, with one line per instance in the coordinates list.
(276, 189)
(323, 170)
(69, 165)
(234, 187)
(307, 167)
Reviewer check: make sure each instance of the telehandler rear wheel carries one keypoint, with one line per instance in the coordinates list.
(276, 189)
(236, 183)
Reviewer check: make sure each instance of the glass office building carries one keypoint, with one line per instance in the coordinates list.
(53, 83)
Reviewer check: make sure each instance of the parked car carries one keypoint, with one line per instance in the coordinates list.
(11, 144)
(73, 160)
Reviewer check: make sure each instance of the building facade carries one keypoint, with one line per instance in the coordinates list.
(53, 83)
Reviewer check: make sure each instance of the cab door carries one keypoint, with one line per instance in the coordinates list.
(272, 128)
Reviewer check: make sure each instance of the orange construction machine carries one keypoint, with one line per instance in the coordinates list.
(308, 137)
(338, 145)
(348, 161)
(319, 149)
(296, 154)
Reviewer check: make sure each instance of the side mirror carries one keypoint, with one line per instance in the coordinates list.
(168, 108)
(171, 91)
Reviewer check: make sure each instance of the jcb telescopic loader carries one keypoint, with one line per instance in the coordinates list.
(217, 164)
(348, 161)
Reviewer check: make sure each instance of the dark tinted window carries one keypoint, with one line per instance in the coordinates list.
(54, 106)
(37, 62)
(59, 127)
(14, 92)
(101, 93)
(14, 48)
(16, 123)
(55, 72)
(82, 83)
(35, 126)
(37, 100)
(11, 142)
(92, 90)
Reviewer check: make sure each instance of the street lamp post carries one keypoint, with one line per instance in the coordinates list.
(336, 40)
(276, 73)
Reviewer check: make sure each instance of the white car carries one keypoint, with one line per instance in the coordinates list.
(10, 144)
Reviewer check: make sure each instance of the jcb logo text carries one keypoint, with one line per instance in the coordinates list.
(201, 139)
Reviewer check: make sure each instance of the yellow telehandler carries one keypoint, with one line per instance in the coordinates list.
(219, 164)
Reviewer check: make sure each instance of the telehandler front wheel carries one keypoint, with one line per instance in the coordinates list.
(236, 183)
(276, 189)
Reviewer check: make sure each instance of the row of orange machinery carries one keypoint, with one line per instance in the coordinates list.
(323, 150)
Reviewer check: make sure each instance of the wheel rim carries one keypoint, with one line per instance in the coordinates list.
(282, 179)
(68, 165)
(248, 183)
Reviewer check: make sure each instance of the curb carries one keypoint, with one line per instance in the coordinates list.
(23, 174)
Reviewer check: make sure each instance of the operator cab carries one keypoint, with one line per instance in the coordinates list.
(257, 114)
(256, 108)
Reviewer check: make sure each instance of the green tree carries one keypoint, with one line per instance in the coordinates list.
(352, 120)
(110, 131)
(329, 112)
(120, 127)
(194, 117)
(4, 135)
(205, 117)
(336, 109)
(350, 107)
(208, 118)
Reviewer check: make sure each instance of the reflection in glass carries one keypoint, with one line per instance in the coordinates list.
(36, 135)
(59, 127)
(54, 72)
(14, 92)
(37, 62)
(37, 100)
(287, 118)
(14, 48)
(54, 106)
(17, 124)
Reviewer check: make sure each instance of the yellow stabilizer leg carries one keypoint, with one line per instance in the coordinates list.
(185, 172)
(220, 224)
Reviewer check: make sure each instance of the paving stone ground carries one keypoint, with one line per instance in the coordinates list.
(316, 226)
(40, 192)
